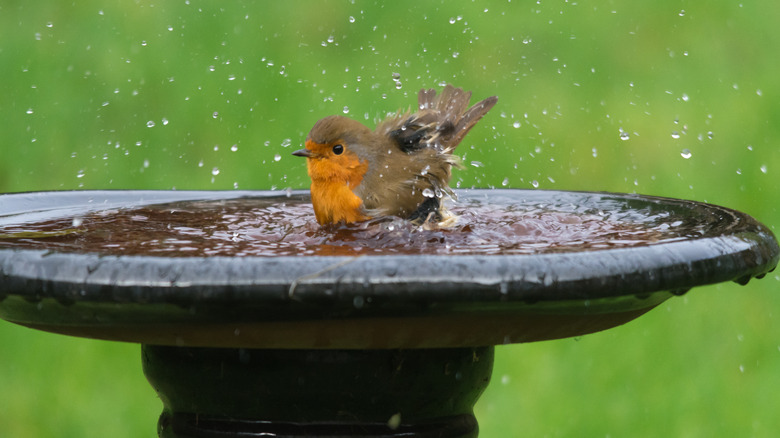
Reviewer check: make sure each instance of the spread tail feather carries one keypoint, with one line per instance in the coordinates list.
(450, 109)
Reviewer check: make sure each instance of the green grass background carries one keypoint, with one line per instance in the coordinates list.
(215, 95)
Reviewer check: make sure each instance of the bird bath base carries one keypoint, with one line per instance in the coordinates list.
(374, 330)
(212, 392)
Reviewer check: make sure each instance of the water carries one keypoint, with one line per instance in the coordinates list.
(285, 226)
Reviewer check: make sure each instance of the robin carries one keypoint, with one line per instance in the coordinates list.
(401, 168)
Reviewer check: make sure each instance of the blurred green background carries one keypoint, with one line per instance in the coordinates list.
(670, 98)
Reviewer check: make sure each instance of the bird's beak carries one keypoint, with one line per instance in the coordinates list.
(303, 153)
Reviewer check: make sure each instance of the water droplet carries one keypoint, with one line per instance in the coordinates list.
(595, 152)
(215, 171)
(685, 97)
(477, 164)
(286, 142)
(505, 379)
(396, 76)
(425, 170)
(29, 111)
(358, 302)
(277, 157)
(77, 221)
(624, 136)
(164, 121)
(150, 124)
(345, 110)
(394, 422)
(49, 24)
(351, 19)
(675, 134)
(686, 153)
(516, 125)
(682, 13)
(215, 114)
(231, 77)
(763, 168)
(505, 182)
(535, 184)
(452, 20)
(80, 173)
(428, 193)
(146, 164)
(200, 163)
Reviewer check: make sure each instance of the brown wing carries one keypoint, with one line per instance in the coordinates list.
(441, 121)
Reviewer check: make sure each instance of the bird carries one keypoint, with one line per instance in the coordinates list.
(402, 168)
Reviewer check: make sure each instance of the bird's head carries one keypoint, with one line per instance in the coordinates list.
(336, 150)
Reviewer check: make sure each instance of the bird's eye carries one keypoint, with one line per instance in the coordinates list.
(338, 149)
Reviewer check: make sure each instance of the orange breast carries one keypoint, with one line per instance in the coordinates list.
(335, 202)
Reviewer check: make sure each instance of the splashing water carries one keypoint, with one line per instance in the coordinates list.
(284, 226)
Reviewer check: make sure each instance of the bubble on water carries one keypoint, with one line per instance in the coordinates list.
(150, 124)
(215, 171)
(675, 134)
(277, 157)
(686, 153)
(428, 193)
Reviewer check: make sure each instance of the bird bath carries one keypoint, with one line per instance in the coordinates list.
(256, 322)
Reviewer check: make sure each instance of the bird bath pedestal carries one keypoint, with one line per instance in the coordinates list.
(337, 336)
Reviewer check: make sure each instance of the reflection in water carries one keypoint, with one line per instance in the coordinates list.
(284, 226)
